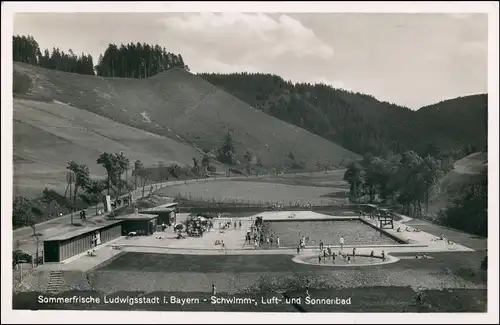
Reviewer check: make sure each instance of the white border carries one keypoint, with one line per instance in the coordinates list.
(8, 8)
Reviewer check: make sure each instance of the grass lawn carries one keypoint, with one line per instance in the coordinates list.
(460, 263)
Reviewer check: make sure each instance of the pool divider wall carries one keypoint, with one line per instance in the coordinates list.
(271, 219)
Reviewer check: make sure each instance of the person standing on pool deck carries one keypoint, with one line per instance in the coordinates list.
(255, 244)
(321, 245)
(214, 291)
(319, 258)
(353, 253)
(333, 258)
(383, 256)
(341, 243)
(278, 242)
(298, 250)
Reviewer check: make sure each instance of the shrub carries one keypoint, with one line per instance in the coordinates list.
(236, 171)
(21, 83)
(19, 255)
(484, 263)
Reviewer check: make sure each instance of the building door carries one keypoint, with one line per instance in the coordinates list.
(97, 238)
(51, 252)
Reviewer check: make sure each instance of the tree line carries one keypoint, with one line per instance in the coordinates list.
(136, 61)
(361, 123)
(139, 60)
(26, 49)
(408, 180)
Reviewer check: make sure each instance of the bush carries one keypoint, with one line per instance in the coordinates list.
(21, 83)
(236, 171)
(298, 165)
(484, 263)
(19, 255)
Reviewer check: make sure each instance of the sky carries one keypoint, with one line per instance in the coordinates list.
(412, 60)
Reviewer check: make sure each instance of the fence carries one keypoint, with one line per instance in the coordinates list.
(24, 264)
(255, 202)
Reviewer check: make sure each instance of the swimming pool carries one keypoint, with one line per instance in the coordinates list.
(355, 232)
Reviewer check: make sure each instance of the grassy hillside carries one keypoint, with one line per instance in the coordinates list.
(48, 135)
(360, 122)
(185, 108)
(466, 171)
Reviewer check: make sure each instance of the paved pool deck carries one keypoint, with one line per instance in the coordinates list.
(234, 239)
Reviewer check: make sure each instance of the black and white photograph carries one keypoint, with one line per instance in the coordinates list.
(272, 160)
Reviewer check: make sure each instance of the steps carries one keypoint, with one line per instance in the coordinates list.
(56, 279)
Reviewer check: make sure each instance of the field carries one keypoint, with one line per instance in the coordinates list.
(318, 188)
(252, 192)
(332, 178)
(166, 117)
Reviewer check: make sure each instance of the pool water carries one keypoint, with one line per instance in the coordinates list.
(355, 232)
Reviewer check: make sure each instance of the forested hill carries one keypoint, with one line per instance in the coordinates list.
(360, 122)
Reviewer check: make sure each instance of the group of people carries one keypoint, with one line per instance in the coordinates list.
(280, 206)
(259, 234)
(305, 240)
(443, 239)
(276, 206)
(227, 225)
(349, 258)
(328, 252)
(198, 226)
(408, 229)
(303, 205)
(325, 252)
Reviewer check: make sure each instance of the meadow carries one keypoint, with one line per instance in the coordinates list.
(253, 192)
